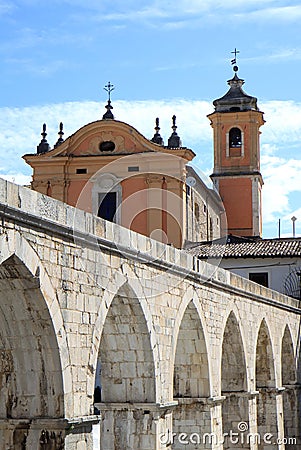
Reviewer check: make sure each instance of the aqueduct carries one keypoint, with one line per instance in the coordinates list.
(183, 354)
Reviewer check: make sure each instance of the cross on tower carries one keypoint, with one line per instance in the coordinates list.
(109, 88)
(233, 61)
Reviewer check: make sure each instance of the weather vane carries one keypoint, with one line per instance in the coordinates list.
(109, 88)
(233, 61)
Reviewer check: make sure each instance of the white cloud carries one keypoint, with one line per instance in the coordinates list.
(6, 7)
(27, 37)
(283, 122)
(279, 14)
(282, 177)
(34, 67)
(17, 178)
(179, 10)
(275, 55)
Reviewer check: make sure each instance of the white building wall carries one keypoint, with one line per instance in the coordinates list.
(277, 268)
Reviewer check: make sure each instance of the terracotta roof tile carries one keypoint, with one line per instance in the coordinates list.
(247, 248)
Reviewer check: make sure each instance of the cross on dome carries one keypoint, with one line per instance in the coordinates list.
(233, 61)
(109, 88)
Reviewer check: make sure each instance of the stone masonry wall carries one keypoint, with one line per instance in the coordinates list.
(79, 294)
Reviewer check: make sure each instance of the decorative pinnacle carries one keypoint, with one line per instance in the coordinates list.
(174, 126)
(233, 61)
(157, 139)
(61, 134)
(174, 141)
(43, 146)
(44, 134)
(109, 115)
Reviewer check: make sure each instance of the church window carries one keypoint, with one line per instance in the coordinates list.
(81, 171)
(107, 146)
(107, 206)
(235, 137)
(107, 197)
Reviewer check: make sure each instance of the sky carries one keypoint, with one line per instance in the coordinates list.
(163, 57)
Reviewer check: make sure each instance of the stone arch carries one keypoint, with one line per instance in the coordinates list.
(120, 283)
(289, 381)
(191, 299)
(16, 250)
(31, 373)
(125, 355)
(191, 385)
(191, 370)
(233, 365)
(235, 407)
(265, 385)
(288, 360)
(264, 366)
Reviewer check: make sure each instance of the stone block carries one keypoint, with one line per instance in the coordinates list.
(3, 191)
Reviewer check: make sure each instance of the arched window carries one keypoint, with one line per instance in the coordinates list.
(107, 197)
(235, 137)
(235, 142)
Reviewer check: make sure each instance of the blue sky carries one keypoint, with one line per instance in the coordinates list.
(164, 57)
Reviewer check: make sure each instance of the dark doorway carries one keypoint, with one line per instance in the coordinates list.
(107, 206)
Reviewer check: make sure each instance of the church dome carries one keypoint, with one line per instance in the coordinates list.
(235, 99)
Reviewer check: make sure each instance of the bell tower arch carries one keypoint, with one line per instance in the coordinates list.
(236, 122)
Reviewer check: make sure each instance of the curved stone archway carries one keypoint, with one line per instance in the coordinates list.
(191, 371)
(292, 391)
(31, 370)
(14, 245)
(191, 385)
(125, 376)
(265, 369)
(235, 407)
(120, 286)
(125, 362)
(267, 420)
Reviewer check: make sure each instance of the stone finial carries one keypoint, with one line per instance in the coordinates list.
(43, 146)
(174, 141)
(61, 134)
(108, 114)
(157, 138)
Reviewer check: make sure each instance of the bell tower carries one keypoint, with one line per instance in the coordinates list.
(236, 122)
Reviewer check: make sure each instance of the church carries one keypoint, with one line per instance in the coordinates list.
(110, 169)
